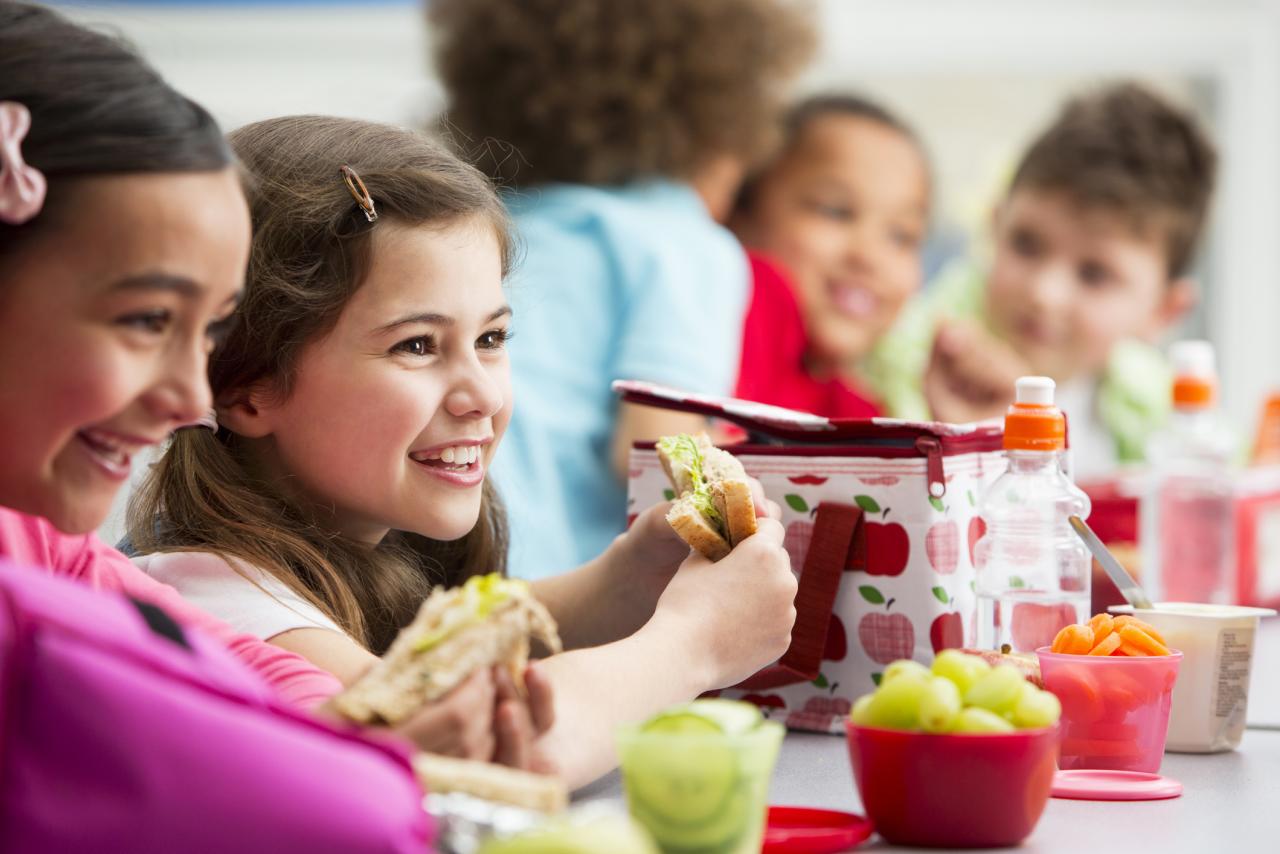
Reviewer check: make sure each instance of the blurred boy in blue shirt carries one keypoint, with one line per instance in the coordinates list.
(624, 130)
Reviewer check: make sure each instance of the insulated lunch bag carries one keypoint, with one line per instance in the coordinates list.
(881, 517)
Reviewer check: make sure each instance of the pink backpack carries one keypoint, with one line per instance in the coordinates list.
(120, 731)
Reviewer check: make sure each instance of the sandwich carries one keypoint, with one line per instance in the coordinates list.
(445, 775)
(714, 510)
(487, 621)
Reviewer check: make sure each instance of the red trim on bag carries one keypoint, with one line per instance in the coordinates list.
(949, 446)
(835, 431)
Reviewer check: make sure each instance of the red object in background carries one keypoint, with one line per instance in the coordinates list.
(1257, 519)
(799, 830)
(953, 791)
(774, 344)
(1114, 518)
(1258, 537)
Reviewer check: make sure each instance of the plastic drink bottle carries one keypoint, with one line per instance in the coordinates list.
(1033, 572)
(1188, 513)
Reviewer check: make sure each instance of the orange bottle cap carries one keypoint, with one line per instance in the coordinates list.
(1195, 382)
(1193, 392)
(1033, 423)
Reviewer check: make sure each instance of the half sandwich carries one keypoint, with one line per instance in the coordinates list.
(714, 511)
(487, 621)
(446, 775)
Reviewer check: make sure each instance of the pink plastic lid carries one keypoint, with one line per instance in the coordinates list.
(1087, 784)
(799, 830)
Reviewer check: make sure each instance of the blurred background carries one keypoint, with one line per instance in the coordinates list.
(977, 78)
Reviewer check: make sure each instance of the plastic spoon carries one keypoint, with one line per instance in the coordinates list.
(1129, 588)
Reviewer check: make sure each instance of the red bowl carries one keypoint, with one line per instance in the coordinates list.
(953, 791)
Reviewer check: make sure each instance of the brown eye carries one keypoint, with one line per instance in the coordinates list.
(494, 339)
(154, 322)
(421, 345)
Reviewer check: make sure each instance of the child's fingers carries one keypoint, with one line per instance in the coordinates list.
(764, 507)
(541, 699)
(513, 735)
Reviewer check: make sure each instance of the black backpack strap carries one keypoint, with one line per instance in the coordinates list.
(161, 623)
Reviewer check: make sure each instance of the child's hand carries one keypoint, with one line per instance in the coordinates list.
(519, 721)
(971, 374)
(737, 612)
(459, 724)
(650, 553)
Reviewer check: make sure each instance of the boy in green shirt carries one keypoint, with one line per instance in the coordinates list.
(1092, 248)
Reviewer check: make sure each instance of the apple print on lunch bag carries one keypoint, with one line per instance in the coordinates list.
(880, 519)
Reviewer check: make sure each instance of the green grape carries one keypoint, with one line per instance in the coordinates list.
(904, 667)
(997, 691)
(940, 705)
(859, 714)
(897, 704)
(1036, 709)
(974, 719)
(960, 668)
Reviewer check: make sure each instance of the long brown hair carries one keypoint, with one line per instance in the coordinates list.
(311, 250)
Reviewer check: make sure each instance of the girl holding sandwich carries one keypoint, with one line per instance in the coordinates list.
(360, 395)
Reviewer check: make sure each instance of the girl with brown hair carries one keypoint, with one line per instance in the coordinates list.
(360, 394)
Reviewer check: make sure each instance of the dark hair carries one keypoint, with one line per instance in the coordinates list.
(806, 112)
(97, 108)
(310, 253)
(609, 91)
(1126, 149)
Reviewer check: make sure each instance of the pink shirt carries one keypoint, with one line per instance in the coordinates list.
(35, 542)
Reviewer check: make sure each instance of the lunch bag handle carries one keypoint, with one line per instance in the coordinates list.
(838, 542)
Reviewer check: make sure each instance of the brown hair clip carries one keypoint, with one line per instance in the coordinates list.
(359, 192)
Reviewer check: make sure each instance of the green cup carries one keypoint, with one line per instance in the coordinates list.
(698, 793)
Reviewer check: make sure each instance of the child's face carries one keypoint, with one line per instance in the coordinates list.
(1068, 283)
(395, 414)
(845, 211)
(104, 334)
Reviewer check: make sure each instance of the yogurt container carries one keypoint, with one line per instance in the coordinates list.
(1210, 698)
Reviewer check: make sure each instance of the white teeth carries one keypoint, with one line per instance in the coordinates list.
(455, 455)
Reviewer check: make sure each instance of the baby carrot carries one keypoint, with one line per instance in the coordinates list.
(1135, 636)
(1109, 645)
(1102, 626)
(1130, 620)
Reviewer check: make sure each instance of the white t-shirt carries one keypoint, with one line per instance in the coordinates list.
(263, 609)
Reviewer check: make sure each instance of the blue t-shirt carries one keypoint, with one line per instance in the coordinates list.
(635, 282)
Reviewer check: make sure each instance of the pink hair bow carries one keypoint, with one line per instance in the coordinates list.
(22, 187)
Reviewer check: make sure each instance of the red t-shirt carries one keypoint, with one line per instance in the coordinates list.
(774, 344)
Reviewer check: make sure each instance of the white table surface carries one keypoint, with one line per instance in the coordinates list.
(1230, 801)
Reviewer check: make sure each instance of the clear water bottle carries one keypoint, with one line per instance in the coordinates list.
(1187, 533)
(1033, 572)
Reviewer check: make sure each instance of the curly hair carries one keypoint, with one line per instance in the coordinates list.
(1126, 149)
(608, 91)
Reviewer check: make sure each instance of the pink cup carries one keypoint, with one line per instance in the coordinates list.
(1115, 709)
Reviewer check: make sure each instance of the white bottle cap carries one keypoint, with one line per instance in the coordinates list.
(1193, 359)
(1035, 390)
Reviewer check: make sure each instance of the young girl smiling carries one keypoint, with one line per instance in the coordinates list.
(361, 394)
(123, 239)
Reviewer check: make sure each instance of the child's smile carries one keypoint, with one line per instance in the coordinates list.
(460, 463)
